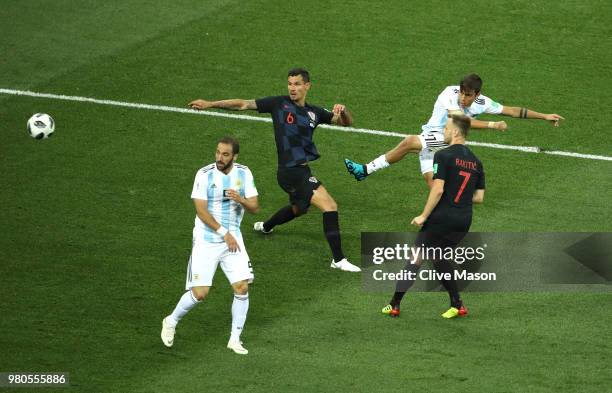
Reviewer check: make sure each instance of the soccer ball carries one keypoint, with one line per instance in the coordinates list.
(41, 126)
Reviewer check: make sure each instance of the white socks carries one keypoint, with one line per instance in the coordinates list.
(240, 307)
(378, 163)
(186, 303)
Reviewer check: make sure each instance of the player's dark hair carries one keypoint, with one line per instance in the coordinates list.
(299, 71)
(463, 123)
(471, 82)
(228, 140)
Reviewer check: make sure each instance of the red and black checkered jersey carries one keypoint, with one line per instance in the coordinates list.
(293, 128)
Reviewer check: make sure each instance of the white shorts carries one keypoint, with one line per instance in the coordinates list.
(205, 257)
(431, 142)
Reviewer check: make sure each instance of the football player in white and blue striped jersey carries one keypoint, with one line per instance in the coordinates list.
(222, 191)
(463, 99)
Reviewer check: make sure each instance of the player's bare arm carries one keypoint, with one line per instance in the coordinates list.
(250, 204)
(495, 125)
(525, 113)
(432, 200)
(478, 196)
(235, 104)
(342, 116)
(201, 207)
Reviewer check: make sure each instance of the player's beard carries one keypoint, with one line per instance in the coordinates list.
(222, 167)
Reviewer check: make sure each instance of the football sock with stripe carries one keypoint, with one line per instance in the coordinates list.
(186, 303)
(402, 286)
(378, 163)
(283, 215)
(240, 307)
(331, 228)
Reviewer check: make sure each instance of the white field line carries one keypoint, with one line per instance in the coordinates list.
(527, 149)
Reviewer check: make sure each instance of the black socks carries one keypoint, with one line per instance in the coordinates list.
(402, 286)
(283, 215)
(445, 266)
(331, 228)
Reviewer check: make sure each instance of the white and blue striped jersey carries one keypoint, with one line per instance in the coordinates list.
(209, 185)
(448, 100)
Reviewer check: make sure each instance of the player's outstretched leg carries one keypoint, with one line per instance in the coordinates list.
(410, 144)
(358, 170)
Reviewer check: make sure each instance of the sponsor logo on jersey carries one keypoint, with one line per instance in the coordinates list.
(435, 169)
(313, 179)
(312, 115)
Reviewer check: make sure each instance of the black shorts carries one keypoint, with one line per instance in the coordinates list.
(299, 183)
(445, 228)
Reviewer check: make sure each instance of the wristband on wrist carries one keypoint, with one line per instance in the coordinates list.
(221, 231)
(491, 124)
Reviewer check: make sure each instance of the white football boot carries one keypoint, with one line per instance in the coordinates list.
(236, 346)
(167, 333)
(345, 265)
(258, 226)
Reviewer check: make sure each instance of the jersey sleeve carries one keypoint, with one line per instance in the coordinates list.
(200, 186)
(249, 188)
(439, 166)
(266, 104)
(325, 116)
(449, 99)
(493, 107)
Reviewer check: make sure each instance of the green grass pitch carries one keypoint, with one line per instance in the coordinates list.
(95, 222)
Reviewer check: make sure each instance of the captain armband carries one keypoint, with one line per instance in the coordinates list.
(523, 114)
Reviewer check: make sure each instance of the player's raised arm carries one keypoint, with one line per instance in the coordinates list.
(525, 113)
(233, 104)
(342, 116)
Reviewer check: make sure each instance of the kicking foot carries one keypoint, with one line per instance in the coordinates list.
(259, 227)
(167, 333)
(358, 170)
(237, 347)
(344, 265)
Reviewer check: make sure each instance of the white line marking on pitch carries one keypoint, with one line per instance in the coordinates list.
(527, 149)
